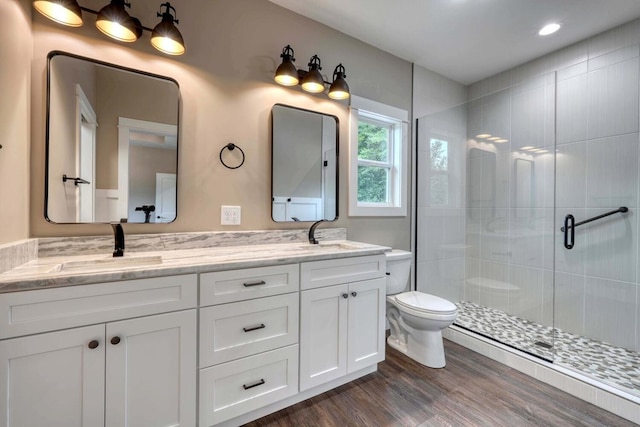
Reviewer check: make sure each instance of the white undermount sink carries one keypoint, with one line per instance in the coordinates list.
(110, 263)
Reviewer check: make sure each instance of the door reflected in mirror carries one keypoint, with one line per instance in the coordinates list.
(113, 133)
(304, 165)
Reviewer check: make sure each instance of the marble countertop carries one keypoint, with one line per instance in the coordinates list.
(69, 270)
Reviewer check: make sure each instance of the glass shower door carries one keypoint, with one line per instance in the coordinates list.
(596, 233)
(485, 217)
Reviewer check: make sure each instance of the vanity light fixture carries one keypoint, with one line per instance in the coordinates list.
(339, 88)
(114, 21)
(287, 74)
(311, 81)
(65, 12)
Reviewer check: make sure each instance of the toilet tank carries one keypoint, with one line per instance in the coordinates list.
(398, 269)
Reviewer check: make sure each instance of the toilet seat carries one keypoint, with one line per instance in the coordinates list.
(426, 303)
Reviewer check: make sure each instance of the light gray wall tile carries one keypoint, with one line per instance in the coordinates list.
(444, 278)
(570, 302)
(613, 99)
(611, 246)
(572, 109)
(611, 172)
(528, 301)
(616, 38)
(610, 311)
(571, 182)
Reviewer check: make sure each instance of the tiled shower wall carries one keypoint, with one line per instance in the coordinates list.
(491, 240)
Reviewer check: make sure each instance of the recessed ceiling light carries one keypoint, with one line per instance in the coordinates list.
(493, 138)
(501, 140)
(549, 29)
(483, 135)
(528, 147)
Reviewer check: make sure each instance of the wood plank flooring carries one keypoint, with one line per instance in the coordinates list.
(472, 390)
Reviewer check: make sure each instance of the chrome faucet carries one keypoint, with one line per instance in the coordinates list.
(118, 234)
(312, 232)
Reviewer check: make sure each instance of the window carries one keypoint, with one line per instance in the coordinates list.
(378, 159)
(439, 166)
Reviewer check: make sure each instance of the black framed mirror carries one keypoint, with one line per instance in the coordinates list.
(112, 143)
(304, 165)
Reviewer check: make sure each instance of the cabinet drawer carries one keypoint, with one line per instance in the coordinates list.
(234, 388)
(236, 285)
(31, 312)
(317, 274)
(231, 331)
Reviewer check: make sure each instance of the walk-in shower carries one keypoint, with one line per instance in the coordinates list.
(507, 185)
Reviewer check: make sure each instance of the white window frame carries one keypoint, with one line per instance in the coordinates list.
(398, 120)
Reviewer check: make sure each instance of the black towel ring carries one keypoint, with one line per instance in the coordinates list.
(231, 146)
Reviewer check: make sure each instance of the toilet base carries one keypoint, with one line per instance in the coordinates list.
(428, 350)
(397, 344)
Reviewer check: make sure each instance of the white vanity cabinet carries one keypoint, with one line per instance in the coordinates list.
(130, 367)
(248, 340)
(342, 307)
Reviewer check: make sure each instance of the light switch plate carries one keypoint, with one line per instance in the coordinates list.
(230, 215)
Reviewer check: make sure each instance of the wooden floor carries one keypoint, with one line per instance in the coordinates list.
(472, 390)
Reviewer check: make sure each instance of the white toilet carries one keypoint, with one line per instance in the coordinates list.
(416, 319)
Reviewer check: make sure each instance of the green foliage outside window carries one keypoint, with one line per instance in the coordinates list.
(373, 144)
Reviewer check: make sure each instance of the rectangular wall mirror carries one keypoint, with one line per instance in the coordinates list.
(112, 143)
(304, 165)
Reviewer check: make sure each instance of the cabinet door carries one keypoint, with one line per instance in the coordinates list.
(151, 371)
(366, 323)
(323, 335)
(53, 379)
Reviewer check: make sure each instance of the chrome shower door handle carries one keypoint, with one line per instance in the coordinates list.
(569, 231)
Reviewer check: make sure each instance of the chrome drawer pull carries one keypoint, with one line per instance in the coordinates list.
(262, 326)
(247, 387)
(261, 282)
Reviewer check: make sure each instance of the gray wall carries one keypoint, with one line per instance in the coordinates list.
(227, 90)
(15, 87)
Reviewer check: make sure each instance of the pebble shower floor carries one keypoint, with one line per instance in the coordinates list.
(615, 366)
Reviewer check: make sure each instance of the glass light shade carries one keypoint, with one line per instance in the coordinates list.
(116, 23)
(287, 74)
(166, 37)
(339, 89)
(65, 12)
(313, 81)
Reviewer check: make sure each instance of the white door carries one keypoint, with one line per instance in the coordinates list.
(86, 122)
(165, 197)
(151, 371)
(323, 335)
(53, 379)
(86, 171)
(366, 323)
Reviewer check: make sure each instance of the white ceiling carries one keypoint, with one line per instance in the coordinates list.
(466, 40)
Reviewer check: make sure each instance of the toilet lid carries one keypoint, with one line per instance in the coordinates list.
(426, 303)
